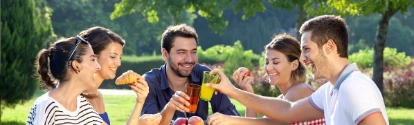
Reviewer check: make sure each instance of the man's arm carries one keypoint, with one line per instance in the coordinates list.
(277, 109)
(256, 121)
(218, 118)
(177, 102)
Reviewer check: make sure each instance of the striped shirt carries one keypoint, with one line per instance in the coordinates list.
(48, 111)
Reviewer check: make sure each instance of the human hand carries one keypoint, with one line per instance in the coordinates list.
(219, 119)
(150, 119)
(141, 89)
(179, 102)
(225, 86)
(242, 78)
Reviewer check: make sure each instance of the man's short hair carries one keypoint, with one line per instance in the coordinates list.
(327, 27)
(181, 30)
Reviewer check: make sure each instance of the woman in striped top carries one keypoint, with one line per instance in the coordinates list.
(67, 69)
(285, 71)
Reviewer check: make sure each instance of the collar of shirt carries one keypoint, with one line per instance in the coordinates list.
(345, 73)
(164, 81)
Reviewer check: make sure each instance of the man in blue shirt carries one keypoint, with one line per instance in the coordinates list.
(167, 83)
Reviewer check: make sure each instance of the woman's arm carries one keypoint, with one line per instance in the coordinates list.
(141, 89)
(245, 83)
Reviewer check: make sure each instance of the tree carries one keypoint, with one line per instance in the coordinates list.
(386, 8)
(212, 11)
(361, 31)
(24, 30)
(141, 36)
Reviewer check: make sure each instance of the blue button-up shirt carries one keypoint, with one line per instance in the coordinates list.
(160, 94)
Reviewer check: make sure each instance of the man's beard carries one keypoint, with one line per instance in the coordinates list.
(175, 69)
(321, 70)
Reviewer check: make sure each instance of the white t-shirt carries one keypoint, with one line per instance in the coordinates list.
(354, 97)
(48, 111)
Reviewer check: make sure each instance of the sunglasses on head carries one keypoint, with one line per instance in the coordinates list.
(80, 39)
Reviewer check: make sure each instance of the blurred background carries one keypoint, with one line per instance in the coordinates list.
(232, 34)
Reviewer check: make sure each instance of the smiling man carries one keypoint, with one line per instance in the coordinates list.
(349, 98)
(167, 83)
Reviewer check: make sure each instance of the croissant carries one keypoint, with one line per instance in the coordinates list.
(128, 77)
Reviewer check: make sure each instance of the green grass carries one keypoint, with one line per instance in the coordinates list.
(119, 108)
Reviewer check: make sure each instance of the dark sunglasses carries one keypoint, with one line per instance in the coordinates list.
(80, 39)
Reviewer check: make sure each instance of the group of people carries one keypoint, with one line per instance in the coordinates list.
(75, 67)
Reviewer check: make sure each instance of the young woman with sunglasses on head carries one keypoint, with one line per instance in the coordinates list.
(67, 69)
(107, 47)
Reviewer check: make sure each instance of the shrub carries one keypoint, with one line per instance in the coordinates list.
(25, 29)
(233, 57)
(392, 58)
(399, 86)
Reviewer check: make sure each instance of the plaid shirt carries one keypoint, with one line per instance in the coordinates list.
(320, 121)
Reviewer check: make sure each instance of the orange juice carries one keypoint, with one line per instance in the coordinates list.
(207, 92)
(193, 90)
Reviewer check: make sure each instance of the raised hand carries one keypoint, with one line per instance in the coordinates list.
(140, 88)
(239, 76)
(225, 86)
(179, 101)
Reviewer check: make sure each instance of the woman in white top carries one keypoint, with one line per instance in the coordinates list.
(67, 69)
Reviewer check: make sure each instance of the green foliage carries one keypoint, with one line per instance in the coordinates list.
(361, 33)
(364, 8)
(212, 11)
(72, 16)
(24, 31)
(233, 57)
(265, 89)
(392, 58)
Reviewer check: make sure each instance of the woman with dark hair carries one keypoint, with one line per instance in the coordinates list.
(67, 69)
(107, 47)
(283, 70)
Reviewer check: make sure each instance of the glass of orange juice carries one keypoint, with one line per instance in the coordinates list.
(207, 92)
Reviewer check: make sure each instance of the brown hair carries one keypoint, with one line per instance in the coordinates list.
(290, 47)
(52, 63)
(328, 27)
(100, 37)
(181, 30)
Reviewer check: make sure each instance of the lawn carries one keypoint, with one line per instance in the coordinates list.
(120, 107)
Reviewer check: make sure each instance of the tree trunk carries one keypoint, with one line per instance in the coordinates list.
(381, 37)
(301, 19)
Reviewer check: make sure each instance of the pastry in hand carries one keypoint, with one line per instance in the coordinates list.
(128, 77)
